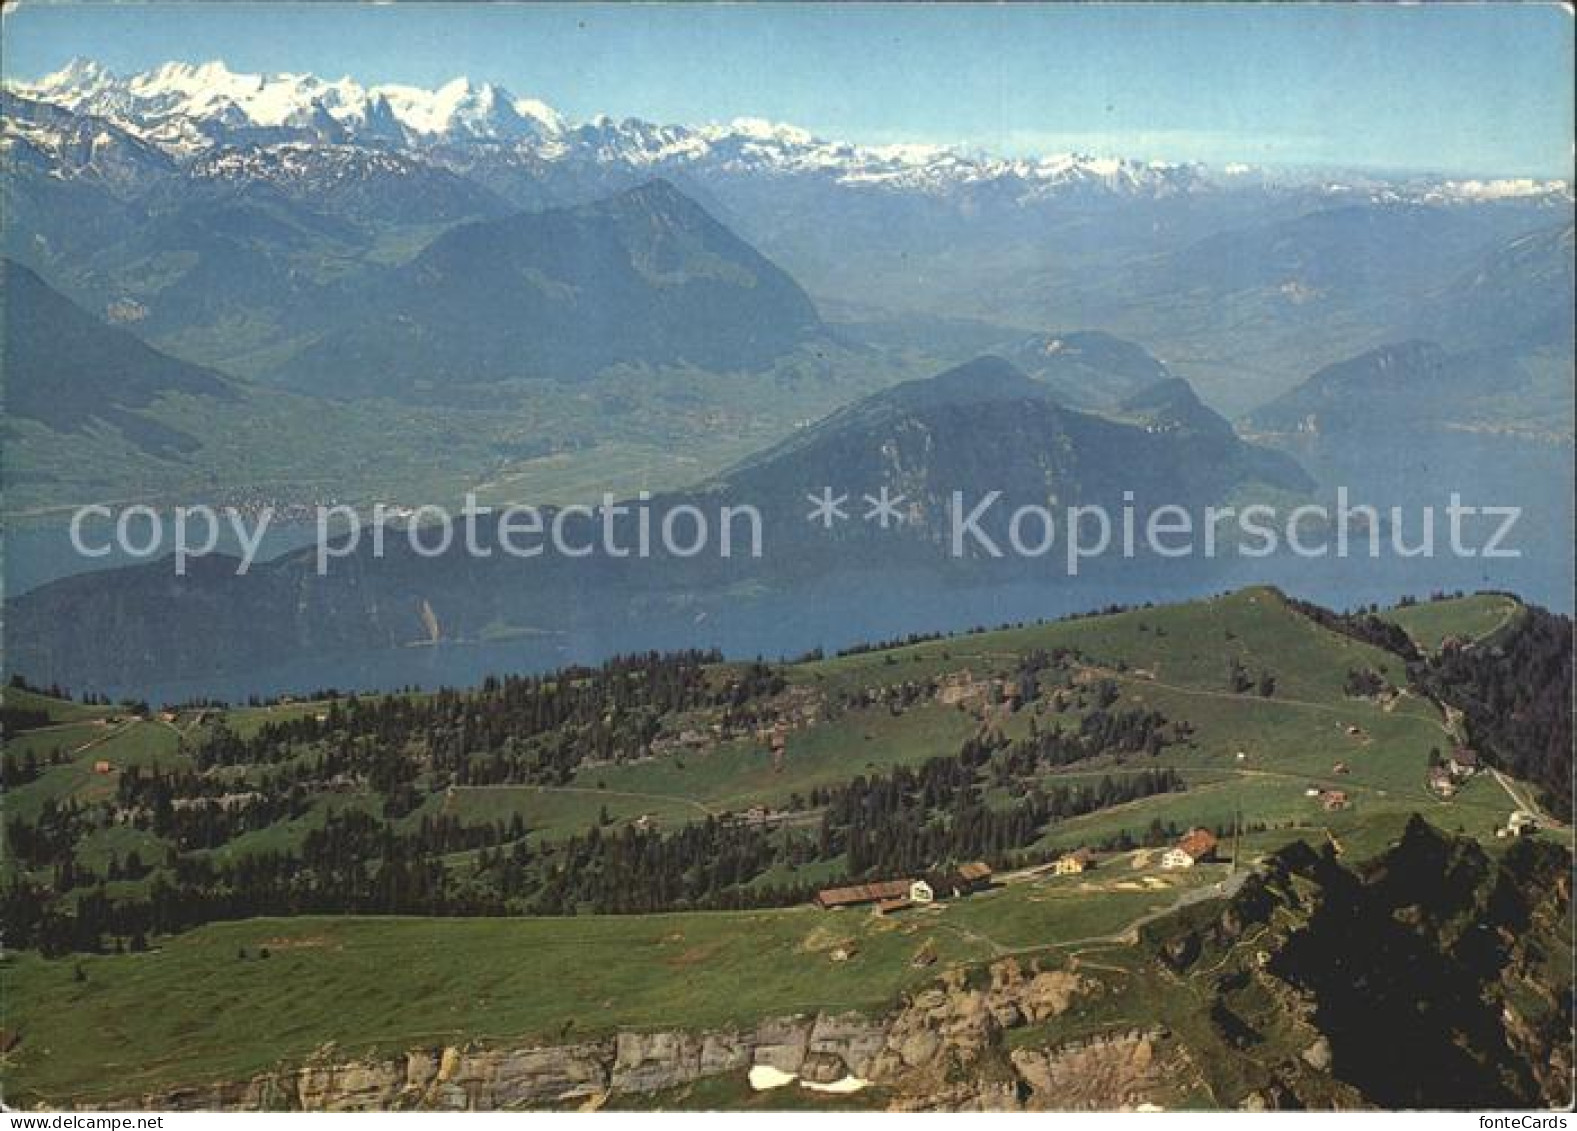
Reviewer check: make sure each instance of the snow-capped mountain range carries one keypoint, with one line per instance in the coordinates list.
(187, 113)
(185, 107)
(186, 110)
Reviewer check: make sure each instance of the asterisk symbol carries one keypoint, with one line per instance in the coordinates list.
(827, 508)
(884, 508)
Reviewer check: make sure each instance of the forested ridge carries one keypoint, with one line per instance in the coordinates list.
(1515, 691)
(350, 805)
(383, 849)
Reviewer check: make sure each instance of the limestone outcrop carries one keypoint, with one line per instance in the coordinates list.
(925, 1050)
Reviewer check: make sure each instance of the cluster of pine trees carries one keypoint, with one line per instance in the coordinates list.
(19, 769)
(519, 729)
(906, 822)
(1364, 683)
(1365, 625)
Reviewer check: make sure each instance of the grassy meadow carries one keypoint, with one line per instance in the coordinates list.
(207, 1006)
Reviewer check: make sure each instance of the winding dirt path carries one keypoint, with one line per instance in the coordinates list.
(1525, 802)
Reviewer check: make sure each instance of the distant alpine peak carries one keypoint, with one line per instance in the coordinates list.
(761, 129)
(188, 105)
(461, 109)
(77, 73)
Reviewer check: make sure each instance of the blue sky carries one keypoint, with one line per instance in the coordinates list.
(1458, 89)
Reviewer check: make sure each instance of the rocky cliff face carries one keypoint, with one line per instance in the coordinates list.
(940, 1050)
(1437, 975)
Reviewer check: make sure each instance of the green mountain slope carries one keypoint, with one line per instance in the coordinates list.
(650, 755)
(66, 370)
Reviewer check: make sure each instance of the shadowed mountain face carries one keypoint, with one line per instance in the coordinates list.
(986, 427)
(1495, 351)
(1434, 975)
(1419, 385)
(978, 429)
(345, 181)
(645, 277)
(1354, 394)
(51, 140)
(1413, 971)
(67, 370)
(1171, 405)
(1372, 251)
(1521, 296)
